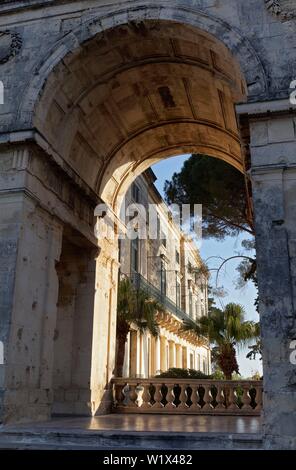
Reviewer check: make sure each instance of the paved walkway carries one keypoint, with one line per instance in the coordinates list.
(151, 423)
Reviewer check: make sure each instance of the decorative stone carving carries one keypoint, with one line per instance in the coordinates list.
(285, 9)
(10, 45)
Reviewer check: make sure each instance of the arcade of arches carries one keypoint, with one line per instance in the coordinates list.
(98, 112)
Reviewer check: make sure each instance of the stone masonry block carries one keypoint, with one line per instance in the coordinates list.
(281, 130)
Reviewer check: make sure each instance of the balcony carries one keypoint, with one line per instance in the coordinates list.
(141, 283)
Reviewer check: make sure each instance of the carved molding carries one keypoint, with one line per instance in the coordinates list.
(10, 45)
(283, 9)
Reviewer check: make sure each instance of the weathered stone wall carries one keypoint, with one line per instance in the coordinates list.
(73, 332)
(253, 33)
(30, 307)
(273, 149)
(42, 192)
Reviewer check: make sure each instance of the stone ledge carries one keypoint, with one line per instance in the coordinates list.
(68, 439)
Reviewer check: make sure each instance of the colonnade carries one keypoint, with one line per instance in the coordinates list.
(147, 356)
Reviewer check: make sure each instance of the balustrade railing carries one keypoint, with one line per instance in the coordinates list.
(141, 283)
(214, 397)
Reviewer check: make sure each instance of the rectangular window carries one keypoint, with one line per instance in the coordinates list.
(163, 279)
(119, 250)
(196, 309)
(163, 239)
(135, 256)
(158, 227)
(177, 257)
(178, 294)
(202, 311)
(135, 192)
(161, 236)
(190, 304)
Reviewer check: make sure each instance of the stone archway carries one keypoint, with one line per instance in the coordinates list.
(151, 89)
(109, 98)
(115, 106)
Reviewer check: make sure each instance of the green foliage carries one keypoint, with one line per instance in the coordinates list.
(256, 376)
(226, 329)
(220, 188)
(218, 375)
(175, 372)
(136, 306)
(255, 349)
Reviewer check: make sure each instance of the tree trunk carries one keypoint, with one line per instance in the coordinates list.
(227, 361)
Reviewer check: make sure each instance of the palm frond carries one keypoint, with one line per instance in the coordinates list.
(136, 306)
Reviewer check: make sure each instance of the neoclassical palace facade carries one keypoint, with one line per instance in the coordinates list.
(167, 267)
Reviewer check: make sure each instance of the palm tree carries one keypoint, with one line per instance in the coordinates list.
(225, 329)
(134, 306)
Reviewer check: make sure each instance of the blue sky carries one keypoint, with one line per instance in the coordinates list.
(229, 247)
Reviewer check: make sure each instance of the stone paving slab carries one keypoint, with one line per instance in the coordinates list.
(136, 432)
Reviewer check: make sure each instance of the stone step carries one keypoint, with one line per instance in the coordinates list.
(119, 440)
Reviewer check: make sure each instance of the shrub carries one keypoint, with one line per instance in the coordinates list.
(176, 373)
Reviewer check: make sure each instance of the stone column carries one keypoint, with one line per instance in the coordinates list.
(30, 245)
(209, 362)
(74, 328)
(163, 353)
(126, 364)
(172, 354)
(273, 151)
(179, 356)
(157, 355)
(184, 357)
(139, 355)
(104, 329)
(143, 355)
(134, 353)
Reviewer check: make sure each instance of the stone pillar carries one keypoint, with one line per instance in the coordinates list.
(179, 352)
(126, 364)
(273, 151)
(104, 329)
(184, 357)
(163, 353)
(157, 356)
(74, 328)
(143, 355)
(139, 355)
(209, 362)
(172, 354)
(133, 353)
(198, 360)
(30, 245)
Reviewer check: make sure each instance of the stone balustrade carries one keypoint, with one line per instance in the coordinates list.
(213, 397)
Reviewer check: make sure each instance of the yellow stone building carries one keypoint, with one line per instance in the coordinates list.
(168, 267)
